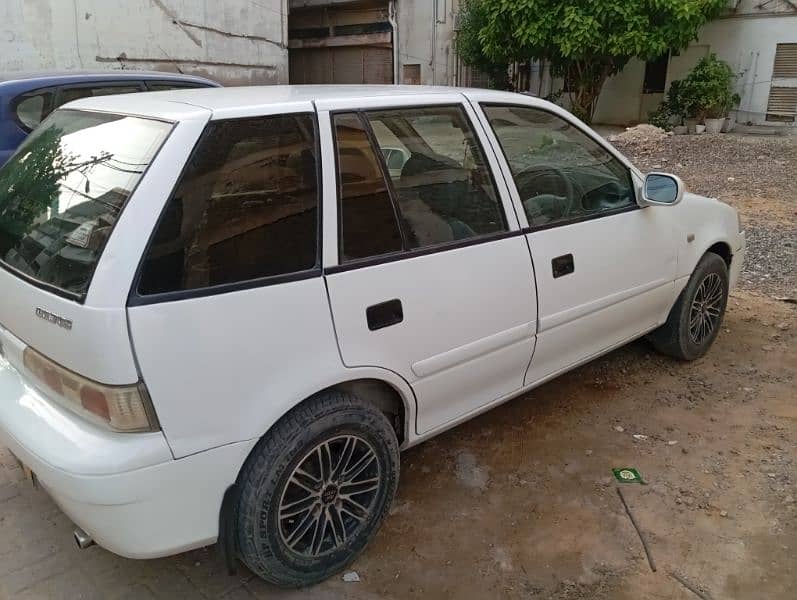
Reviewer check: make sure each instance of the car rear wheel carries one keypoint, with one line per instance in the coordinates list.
(695, 320)
(316, 489)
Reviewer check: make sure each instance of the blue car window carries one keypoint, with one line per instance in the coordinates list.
(32, 108)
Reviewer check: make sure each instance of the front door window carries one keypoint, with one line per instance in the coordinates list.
(562, 175)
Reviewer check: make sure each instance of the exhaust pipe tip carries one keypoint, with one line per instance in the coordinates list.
(82, 539)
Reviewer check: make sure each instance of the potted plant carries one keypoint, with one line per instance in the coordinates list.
(707, 92)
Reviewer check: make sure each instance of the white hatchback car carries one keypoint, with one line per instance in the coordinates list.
(223, 313)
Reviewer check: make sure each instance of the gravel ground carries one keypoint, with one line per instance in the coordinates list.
(755, 174)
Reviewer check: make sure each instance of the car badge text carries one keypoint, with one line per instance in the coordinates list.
(55, 319)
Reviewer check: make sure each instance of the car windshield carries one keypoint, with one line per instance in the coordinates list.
(63, 190)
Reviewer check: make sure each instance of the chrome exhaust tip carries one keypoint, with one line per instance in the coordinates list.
(82, 539)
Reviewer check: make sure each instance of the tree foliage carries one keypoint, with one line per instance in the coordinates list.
(586, 41)
(473, 18)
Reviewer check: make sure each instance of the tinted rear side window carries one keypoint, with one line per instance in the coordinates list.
(245, 208)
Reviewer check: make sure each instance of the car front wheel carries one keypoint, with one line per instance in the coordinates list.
(316, 489)
(695, 320)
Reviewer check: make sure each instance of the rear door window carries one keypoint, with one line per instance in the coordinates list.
(246, 208)
(443, 184)
(62, 192)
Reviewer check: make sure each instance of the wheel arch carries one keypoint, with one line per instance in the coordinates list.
(721, 249)
(386, 390)
(691, 255)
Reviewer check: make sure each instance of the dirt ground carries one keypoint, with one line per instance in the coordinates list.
(521, 502)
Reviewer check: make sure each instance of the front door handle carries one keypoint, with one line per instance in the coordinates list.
(563, 265)
(384, 314)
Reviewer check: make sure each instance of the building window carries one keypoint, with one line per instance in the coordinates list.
(656, 75)
(411, 74)
(785, 61)
(782, 105)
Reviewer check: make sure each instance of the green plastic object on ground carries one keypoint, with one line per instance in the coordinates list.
(627, 475)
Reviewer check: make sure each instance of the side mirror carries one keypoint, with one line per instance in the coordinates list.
(662, 188)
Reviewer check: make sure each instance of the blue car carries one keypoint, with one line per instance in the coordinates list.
(27, 98)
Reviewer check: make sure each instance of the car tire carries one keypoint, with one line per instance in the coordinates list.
(284, 487)
(696, 318)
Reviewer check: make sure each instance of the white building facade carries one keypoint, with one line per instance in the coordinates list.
(757, 38)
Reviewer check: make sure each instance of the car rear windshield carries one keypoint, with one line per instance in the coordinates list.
(63, 190)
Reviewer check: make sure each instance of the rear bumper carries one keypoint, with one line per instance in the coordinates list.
(125, 490)
(737, 262)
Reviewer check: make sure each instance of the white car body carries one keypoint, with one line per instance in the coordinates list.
(482, 323)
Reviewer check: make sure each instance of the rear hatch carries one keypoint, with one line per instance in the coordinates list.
(60, 197)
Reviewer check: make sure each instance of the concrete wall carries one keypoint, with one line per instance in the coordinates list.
(426, 37)
(231, 41)
(748, 44)
(423, 34)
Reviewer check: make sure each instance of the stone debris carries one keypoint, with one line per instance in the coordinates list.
(754, 174)
(641, 134)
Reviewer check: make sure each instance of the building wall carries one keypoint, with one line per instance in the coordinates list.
(426, 37)
(748, 45)
(423, 36)
(233, 41)
(745, 37)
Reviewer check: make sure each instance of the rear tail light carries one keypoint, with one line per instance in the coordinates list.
(123, 408)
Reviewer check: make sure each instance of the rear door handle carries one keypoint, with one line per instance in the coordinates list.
(563, 265)
(384, 314)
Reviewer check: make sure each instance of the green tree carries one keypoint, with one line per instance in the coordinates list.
(587, 41)
(473, 18)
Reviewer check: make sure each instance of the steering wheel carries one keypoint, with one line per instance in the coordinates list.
(550, 186)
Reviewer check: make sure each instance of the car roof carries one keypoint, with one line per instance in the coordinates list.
(229, 102)
(37, 79)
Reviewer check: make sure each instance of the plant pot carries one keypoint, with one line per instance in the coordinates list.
(729, 124)
(690, 125)
(714, 126)
(700, 129)
(679, 130)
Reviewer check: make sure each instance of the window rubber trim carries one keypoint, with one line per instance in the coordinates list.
(362, 263)
(409, 252)
(582, 218)
(224, 288)
(134, 298)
